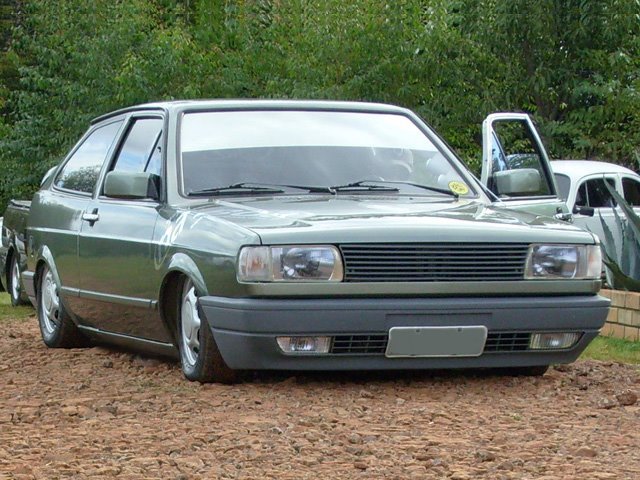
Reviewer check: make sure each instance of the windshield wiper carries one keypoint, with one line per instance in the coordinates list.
(364, 185)
(372, 185)
(444, 191)
(251, 187)
(234, 189)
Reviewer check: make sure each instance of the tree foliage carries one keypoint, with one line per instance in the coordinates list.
(573, 64)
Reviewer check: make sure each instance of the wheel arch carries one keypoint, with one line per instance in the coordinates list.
(181, 266)
(7, 267)
(45, 257)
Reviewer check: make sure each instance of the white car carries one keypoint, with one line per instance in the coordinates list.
(581, 184)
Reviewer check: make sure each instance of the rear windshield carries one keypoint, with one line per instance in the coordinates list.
(314, 148)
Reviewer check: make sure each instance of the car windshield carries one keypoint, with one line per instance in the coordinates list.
(312, 148)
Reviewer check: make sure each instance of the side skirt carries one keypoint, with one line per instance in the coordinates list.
(133, 343)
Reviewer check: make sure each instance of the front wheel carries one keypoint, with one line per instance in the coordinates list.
(56, 328)
(15, 290)
(199, 355)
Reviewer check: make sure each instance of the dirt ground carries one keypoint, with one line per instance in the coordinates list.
(102, 413)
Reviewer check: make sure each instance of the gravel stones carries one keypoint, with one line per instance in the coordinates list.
(101, 413)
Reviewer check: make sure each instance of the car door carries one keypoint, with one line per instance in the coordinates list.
(56, 212)
(515, 166)
(119, 284)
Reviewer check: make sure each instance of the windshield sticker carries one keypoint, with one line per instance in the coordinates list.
(459, 188)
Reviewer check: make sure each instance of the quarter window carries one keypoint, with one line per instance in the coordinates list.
(564, 185)
(631, 190)
(81, 171)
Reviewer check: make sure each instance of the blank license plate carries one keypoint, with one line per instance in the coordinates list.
(465, 341)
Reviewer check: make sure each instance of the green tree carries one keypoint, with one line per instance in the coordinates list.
(571, 63)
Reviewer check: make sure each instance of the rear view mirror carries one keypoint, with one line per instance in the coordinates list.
(524, 181)
(132, 185)
(583, 210)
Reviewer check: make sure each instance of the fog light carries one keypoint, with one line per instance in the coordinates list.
(553, 341)
(304, 345)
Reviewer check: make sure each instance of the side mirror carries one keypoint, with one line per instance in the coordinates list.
(522, 181)
(132, 185)
(584, 210)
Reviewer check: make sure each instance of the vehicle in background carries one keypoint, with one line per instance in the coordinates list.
(13, 259)
(581, 186)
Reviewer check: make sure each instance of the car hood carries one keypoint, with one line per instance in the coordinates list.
(355, 218)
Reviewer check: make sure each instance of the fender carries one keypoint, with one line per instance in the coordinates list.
(29, 278)
(181, 262)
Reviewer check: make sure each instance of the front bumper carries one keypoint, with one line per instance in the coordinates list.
(245, 329)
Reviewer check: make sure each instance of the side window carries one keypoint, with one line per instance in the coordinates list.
(514, 148)
(140, 151)
(594, 193)
(631, 190)
(81, 171)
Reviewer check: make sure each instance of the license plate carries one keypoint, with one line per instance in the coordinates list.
(466, 341)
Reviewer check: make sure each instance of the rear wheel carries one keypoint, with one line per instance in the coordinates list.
(56, 328)
(15, 290)
(199, 355)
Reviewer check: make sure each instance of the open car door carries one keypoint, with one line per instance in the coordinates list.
(515, 166)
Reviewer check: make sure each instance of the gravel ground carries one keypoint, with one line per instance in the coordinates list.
(103, 413)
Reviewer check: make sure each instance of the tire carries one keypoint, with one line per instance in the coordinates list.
(199, 355)
(56, 328)
(13, 282)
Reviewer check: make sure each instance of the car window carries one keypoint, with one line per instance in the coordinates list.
(564, 185)
(514, 148)
(594, 193)
(311, 148)
(81, 171)
(139, 150)
(631, 190)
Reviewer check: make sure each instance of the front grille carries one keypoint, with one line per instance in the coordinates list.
(507, 342)
(497, 342)
(434, 262)
(359, 344)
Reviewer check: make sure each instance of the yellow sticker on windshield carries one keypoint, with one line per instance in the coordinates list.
(459, 188)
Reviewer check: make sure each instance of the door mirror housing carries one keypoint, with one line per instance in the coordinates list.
(522, 182)
(584, 210)
(132, 185)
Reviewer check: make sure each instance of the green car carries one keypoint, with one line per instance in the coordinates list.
(300, 235)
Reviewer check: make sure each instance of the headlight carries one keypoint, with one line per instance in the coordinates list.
(551, 262)
(290, 263)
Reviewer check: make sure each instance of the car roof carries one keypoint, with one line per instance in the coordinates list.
(582, 168)
(250, 104)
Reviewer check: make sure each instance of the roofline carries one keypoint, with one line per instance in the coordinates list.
(122, 111)
(258, 104)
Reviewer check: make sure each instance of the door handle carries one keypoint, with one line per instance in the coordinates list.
(92, 217)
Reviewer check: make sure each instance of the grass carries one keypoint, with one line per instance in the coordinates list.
(613, 349)
(7, 312)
